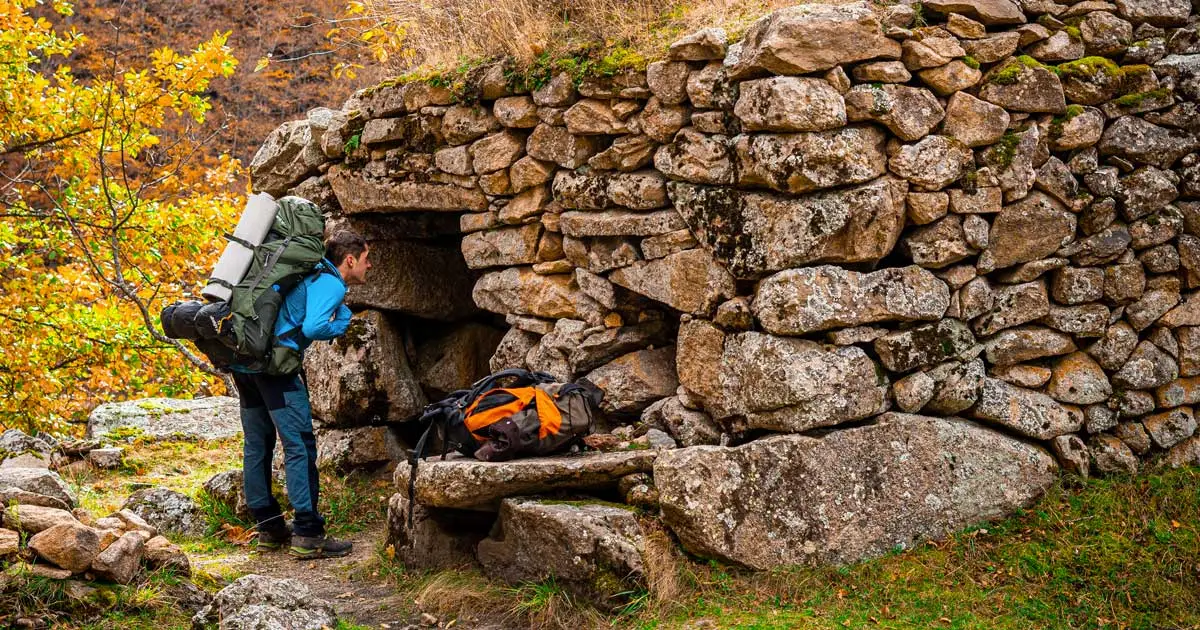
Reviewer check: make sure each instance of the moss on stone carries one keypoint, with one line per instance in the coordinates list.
(1005, 149)
(1073, 32)
(1011, 71)
(1089, 67)
(971, 62)
(1136, 99)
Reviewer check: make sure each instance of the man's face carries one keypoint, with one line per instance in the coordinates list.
(356, 268)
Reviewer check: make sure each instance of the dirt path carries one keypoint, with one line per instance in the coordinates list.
(347, 583)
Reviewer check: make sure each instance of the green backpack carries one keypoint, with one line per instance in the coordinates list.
(241, 331)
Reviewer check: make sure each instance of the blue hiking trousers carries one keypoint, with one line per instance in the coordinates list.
(270, 406)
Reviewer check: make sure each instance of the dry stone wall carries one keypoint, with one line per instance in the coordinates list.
(985, 212)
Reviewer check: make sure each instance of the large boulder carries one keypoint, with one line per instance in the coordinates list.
(416, 278)
(166, 510)
(32, 519)
(288, 155)
(809, 38)
(790, 384)
(755, 233)
(800, 301)
(256, 602)
(212, 418)
(848, 495)
(592, 549)
(363, 376)
(465, 482)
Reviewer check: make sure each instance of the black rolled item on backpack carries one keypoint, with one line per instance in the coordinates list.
(179, 320)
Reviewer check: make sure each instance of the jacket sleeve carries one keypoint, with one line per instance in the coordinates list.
(325, 317)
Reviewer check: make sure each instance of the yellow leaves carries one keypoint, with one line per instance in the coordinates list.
(262, 64)
(96, 171)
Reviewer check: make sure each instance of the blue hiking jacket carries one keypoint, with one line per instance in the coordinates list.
(313, 311)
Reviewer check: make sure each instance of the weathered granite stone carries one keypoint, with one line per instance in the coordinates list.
(1027, 343)
(938, 245)
(120, 561)
(922, 345)
(593, 117)
(627, 153)
(1074, 285)
(789, 104)
(556, 144)
(804, 162)
(689, 281)
(974, 122)
(660, 122)
(1027, 376)
(1111, 456)
(667, 80)
(926, 207)
(254, 601)
(882, 72)
(696, 157)
(288, 155)
(517, 290)
(71, 546)
(633, 381)
(1027, 412)
(909, 113)
(989, 12)
(344, 450)
(994, 48)
(950, 78)
(1018, 87)
(592, 549)
(32, 519)
(788, 384)
(463, 482)
(932, 476)
(1078, 380)
(707, 43)
(212, 418)
(800, 301)
(435, 538)
(1147, 367)
(363, 376)
(166, 510)
(809, 38)
(1170, 427)
(1156, 12)
(754, 233)
(502, 248)
(1141, 142)
(516, 111)
(1072, 454)
(932, 163)
(1014, 305)
(1081, 130)
(1033, 228)
(359, 193)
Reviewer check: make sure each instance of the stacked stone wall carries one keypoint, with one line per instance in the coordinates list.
(982, 210)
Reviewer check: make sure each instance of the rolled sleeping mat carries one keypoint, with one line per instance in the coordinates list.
(252, 229)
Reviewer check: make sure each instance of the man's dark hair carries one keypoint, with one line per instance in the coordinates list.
(343, 243)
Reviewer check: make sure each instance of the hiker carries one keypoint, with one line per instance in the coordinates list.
(270, 405)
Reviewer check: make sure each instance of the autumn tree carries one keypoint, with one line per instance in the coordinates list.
(104, 218)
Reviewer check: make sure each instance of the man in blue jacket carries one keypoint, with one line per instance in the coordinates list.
(270, 405)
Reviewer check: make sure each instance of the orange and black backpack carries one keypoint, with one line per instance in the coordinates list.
(509, 414)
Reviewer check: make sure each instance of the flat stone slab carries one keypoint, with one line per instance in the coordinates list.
(212, 418)
(464, 482)
(849, 495)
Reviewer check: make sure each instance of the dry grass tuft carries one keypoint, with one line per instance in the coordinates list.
(663, 562)
(442, 34)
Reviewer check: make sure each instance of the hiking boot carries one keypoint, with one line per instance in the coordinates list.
(274, 539)
(311, 547)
